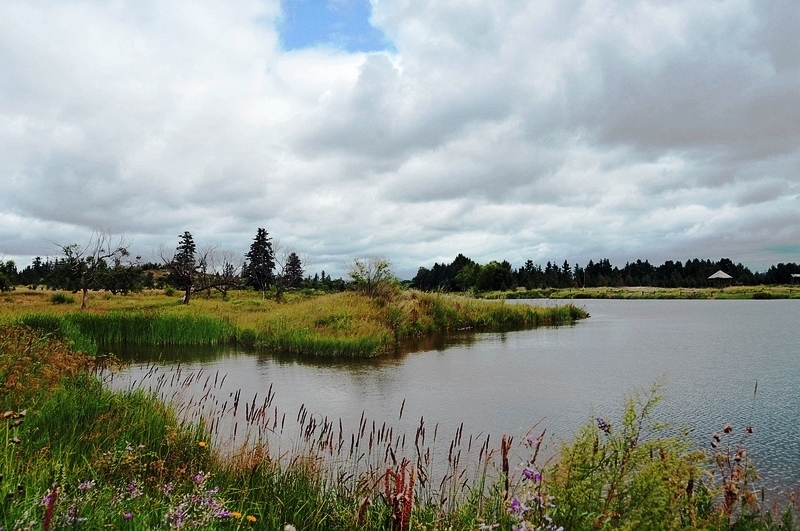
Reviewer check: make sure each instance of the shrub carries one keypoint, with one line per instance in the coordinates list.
(62, 298)
(627, 476)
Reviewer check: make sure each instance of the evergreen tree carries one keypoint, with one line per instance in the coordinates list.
(294, 271)
(259, 270)
(183, 266)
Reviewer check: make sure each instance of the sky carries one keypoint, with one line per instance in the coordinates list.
(412, 130)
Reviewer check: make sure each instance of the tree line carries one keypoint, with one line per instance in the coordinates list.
(464, 274)
(105, 263)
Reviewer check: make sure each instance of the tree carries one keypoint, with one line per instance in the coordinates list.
(84, 262)
(218, 270)
(373, 276)
(8, 275)
(258, 271)
(183, 266)
(294, 270)
(288, 270)
(121, 276)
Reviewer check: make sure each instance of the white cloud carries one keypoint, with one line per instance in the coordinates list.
(503, 130)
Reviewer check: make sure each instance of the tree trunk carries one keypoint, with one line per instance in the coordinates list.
(84, 291)
(187, 295)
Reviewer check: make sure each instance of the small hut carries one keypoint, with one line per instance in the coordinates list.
(720, 279)
(795, 277)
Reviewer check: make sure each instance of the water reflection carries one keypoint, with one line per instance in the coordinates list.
(708, 353)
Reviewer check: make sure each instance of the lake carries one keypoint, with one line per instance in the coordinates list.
(720, 362)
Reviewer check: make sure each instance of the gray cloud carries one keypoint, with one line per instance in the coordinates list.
(503, 130)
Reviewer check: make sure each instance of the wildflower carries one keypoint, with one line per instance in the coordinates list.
(127, 516)
(604, 426)
(516, 506)
(251, 518)
(223, 513)
(133, 490)
(530, 473)
(202, 444)
(236, 514)
(86, 485)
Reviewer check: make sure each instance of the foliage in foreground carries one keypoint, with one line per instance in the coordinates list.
(76, 454)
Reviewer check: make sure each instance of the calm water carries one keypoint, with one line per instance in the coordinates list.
(708, 354)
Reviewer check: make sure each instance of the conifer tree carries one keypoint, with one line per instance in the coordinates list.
(183, 266)
(258, 271)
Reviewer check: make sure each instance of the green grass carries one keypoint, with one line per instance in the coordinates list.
(85, 331)
(342, 325)
(77, 454)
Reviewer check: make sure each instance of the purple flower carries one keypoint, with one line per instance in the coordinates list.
(517, 507)
(604, 426)
(531, 473)
(85, 485)
(127, 516)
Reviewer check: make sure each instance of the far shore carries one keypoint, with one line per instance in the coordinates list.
(650, 292)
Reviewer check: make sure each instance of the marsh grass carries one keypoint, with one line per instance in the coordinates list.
(344, 325)
(78, 454)
(87, 332)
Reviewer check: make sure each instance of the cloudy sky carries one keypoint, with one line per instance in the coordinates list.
(548, 130)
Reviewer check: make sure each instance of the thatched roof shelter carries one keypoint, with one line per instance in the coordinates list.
(720, 278)
(721, 275)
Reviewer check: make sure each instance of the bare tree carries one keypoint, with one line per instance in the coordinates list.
(85, 261)
(218, 270)
(373, 276)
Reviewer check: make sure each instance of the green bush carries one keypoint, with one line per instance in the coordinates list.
(62, 298)
(628, 476)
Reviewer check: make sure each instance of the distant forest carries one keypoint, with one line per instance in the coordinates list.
(464, 274)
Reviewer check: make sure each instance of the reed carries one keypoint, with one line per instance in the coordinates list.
(84, 331)
(81, 455)
(345, 325)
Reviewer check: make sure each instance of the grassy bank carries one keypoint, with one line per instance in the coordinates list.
(75, 454)
(345, 324)
(645, 292)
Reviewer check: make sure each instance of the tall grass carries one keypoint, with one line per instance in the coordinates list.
(76, 454)
(344, 325)
(86, 331)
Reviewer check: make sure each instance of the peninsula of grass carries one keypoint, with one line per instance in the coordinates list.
(344, 325)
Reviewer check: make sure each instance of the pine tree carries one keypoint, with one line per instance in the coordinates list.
(259, 270)
(183, 266)
(294, 271)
